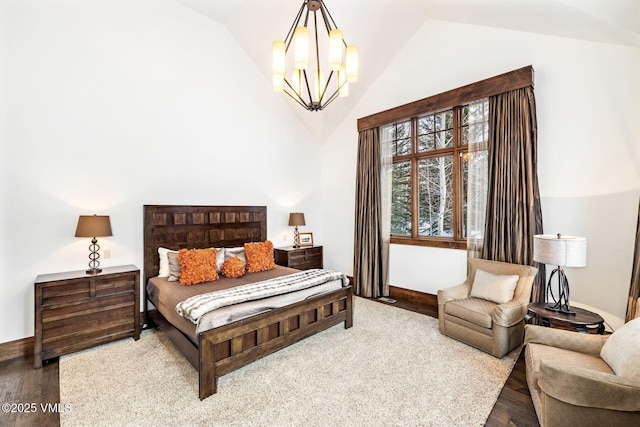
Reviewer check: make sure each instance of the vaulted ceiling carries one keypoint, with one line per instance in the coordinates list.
(380, 27)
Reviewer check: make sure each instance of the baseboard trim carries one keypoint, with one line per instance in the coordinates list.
(15, 349)
(414, 296)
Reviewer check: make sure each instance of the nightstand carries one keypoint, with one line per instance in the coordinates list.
(75, 310)
(303, 258)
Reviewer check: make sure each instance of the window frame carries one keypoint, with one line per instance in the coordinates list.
(516, 79)
(457, 150)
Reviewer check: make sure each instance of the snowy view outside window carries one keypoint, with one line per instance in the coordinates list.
(432, 156)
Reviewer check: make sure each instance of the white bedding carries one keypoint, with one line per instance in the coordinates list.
(235, 312)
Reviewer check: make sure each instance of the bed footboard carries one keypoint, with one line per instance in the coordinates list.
(233, 346)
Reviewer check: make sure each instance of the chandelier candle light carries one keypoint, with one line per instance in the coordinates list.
(563, 251)
(342, 59)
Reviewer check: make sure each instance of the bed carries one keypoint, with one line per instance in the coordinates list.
(222, 349)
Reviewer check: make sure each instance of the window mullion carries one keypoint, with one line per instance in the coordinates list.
(414, 179)
(457, 182)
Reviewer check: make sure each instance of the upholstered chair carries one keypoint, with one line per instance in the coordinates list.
(584, 379)
(488, 311)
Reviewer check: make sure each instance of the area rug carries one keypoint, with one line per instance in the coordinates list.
(392, 367)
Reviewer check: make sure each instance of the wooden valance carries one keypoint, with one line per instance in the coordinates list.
(506, 82)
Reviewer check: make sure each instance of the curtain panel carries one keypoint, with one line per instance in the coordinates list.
(513, 212)
(634, 289)
(371, 239)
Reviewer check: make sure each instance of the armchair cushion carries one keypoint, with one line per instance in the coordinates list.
(580, 385)
(622, 350)
(474, 310)
(497, 288)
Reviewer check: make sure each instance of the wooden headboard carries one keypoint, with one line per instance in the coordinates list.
(177, 227)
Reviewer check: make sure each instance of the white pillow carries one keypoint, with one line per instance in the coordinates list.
(164, 262)
(494, 287)
(621, 350)
(220, 257)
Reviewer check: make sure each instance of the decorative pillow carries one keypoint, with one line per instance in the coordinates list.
(233, 267)
(174, 267)
(164, 262)
(494, 287)
(237, 252)
(259, 256)
(174, 264)
(621, 350)
(220, 256)
(197, 266)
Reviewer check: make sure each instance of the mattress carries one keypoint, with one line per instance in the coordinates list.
(166, 295)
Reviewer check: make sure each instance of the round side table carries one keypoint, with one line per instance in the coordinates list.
(581, 321)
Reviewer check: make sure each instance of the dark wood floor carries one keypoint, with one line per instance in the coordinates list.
(21, 384)
(26, 392)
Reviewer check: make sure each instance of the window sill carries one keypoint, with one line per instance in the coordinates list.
(435, 243)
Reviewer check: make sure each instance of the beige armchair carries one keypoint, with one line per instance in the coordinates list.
(478, 319)
(583, 379)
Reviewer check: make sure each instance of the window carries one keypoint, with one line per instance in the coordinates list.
(430, 155)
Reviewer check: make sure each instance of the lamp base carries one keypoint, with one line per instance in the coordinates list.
(559, 308)
(94, 271)
(559, 302)
(296, 238)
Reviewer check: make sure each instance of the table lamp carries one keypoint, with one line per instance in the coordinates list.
(562, 251)
(296, 219)
(93, 226)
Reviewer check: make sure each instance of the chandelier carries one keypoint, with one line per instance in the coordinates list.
(340, 65)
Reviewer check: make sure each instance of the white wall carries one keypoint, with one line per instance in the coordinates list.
(589, 153)
(107, 106)
(113, 105)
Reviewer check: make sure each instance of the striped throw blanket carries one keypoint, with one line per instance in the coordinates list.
(199, 305)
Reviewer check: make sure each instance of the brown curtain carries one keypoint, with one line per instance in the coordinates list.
(634, 290)
(514, 214)
(370, 261)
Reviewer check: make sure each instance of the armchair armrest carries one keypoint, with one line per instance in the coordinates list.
(455, 292)
(585, 387)
(510, 313)
(568, 340)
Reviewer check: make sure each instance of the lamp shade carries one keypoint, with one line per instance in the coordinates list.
(93, 226)
(296, 218)
(564, 251)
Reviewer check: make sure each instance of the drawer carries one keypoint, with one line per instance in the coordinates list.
(78, 290)
(306, 255)
(80, 309)
(84, 337)
(115, 285)
(306, 265)
(65, 325)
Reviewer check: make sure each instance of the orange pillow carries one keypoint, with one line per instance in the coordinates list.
(233, 267)
(259, 256)
(197, 266)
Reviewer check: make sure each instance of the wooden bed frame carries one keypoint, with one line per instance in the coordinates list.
(232, 346)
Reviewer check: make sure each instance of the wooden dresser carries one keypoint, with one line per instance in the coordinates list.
(75, 310)
(303, 258)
